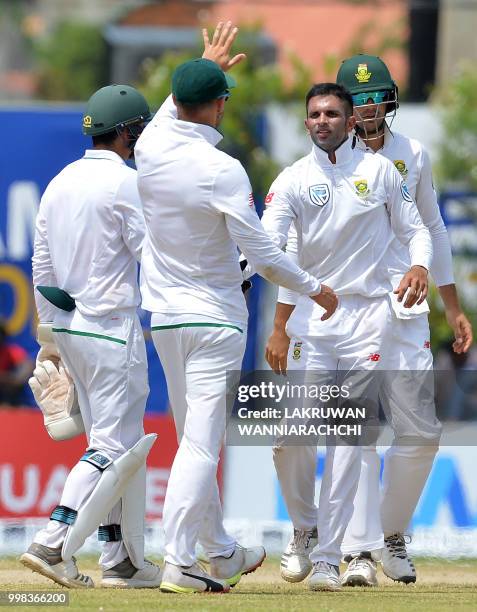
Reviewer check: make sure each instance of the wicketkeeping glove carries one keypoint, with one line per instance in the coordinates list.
(55, 394)
(54, 389)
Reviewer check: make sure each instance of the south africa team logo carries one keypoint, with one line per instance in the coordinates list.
(361, 188)
(297, 350)
(362, 74)
(401, 167)
(319, 194)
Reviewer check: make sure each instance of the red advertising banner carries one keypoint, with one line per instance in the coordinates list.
(33, 467)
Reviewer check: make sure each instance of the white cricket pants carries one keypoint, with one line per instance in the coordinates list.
(407, 398)
(196, 354)
(347, 342)
(106, 357)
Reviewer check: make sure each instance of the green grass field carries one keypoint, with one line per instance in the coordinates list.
(442, 586)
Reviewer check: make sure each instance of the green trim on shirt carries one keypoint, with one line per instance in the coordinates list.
(179, 325)
(60, 330)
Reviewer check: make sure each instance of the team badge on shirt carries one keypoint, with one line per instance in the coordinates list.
(362, 75)
(319, 194)
(297, 350)
(401, 167)
(405, 193)
(361, 188)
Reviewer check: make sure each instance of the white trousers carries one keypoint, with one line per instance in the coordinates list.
(106, 357)
(353, 341)
(196, 354)
(407, 397)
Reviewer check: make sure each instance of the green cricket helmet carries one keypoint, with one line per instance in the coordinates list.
(113, 107)
(368, 73)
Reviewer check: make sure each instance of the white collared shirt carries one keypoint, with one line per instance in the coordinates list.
(413, 163)
(198, 206)
(89, 234)
(346, 216)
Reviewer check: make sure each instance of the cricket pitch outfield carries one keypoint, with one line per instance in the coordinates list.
(442, 586)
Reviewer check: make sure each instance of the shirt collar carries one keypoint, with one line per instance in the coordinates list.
(197, 130)
(103, 154)
(343, 154)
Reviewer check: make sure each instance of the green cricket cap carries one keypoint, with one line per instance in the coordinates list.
(200, 80)
(362, 73)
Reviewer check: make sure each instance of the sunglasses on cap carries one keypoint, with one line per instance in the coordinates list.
(376, 96)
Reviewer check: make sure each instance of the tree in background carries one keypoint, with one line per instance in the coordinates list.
(456, 170)
(244, 125)
(458, 151)
(72, 62)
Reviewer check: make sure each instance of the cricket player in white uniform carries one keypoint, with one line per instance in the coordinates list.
(409, 402)
(89, 234)
(198, 207)
(345, 206)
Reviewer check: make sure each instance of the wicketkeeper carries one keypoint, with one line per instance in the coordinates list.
(91, 369)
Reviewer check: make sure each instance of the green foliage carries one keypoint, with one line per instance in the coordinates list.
(72, 62)
(258, 85)
(458, 152)
(366, 39)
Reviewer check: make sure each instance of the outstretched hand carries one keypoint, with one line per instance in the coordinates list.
(218, 50)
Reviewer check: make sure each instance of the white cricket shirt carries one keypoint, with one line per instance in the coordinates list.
(198, 206)
(413, 163)
(89, 234)
(346, 216)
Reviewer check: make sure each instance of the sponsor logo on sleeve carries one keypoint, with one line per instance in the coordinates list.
(405, 193)
(319, 194)
(251, 201)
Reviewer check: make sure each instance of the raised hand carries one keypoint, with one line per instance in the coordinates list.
(219, 49)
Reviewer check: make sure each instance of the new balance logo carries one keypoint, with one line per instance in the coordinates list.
(269, 197)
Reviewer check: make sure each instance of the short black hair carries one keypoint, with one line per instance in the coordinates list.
(331, 89)
(105, 139)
